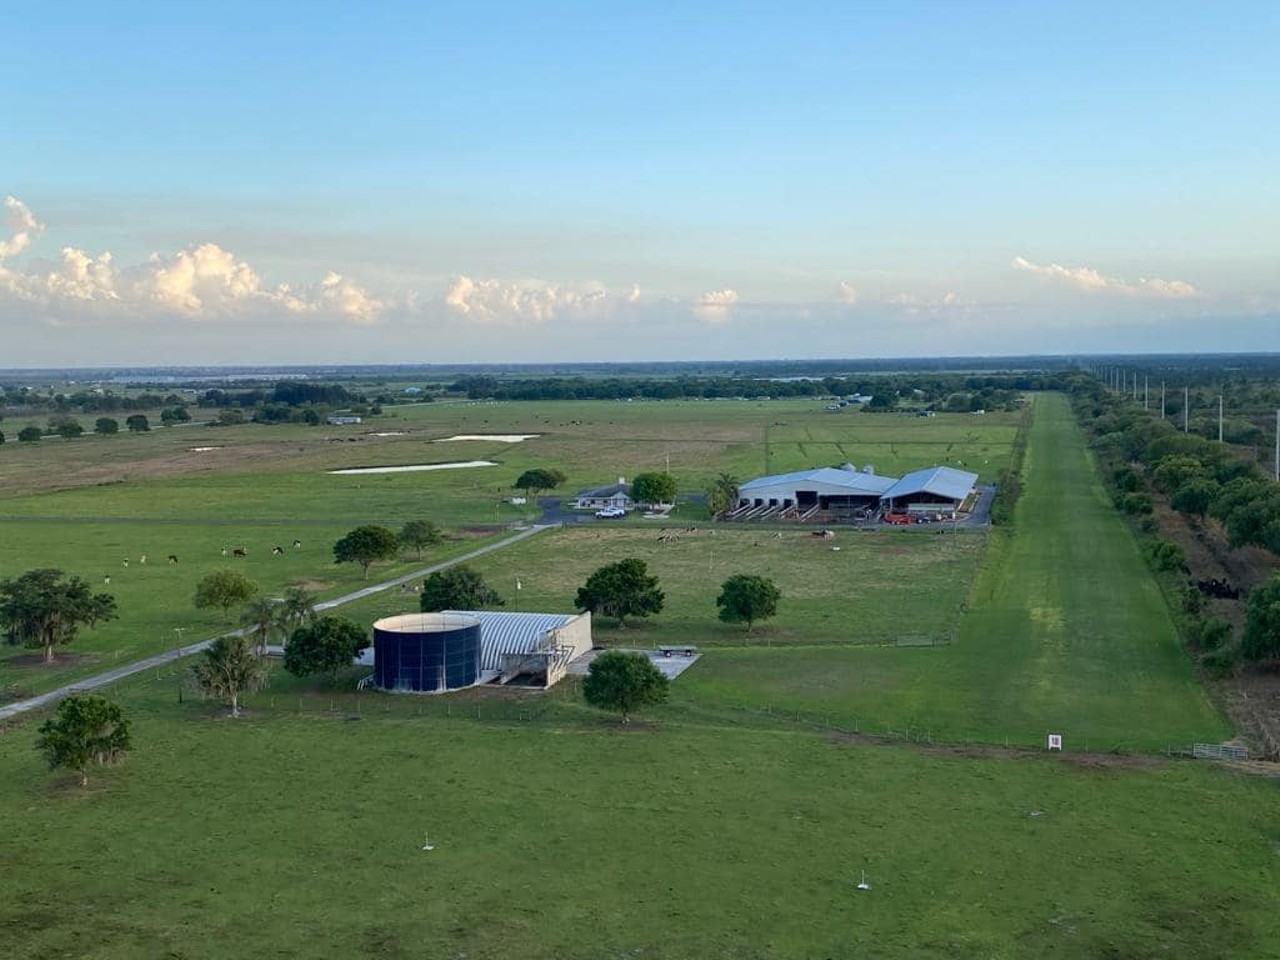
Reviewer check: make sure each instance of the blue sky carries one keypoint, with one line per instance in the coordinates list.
(493, 181)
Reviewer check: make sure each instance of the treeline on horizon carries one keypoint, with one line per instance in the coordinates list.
(885, 391)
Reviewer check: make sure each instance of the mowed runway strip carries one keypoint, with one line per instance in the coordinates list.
(1066, 631)
(1068, 617)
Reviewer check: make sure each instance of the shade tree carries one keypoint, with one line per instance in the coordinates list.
(624, 682)
(43, 609)
(620, 590)
(367, 545)
(84, 730)
(746, 598)
(457, 588)
(325, 645)
(228, 668)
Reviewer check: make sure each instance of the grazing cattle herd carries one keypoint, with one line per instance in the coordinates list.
(241, 551)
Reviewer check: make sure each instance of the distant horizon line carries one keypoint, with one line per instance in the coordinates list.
(911, 361)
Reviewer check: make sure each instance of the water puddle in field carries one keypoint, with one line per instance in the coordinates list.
(497, 437)
(417, 467)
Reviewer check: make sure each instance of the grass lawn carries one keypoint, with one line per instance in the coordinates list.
(1066, 631)
(568, 837)
(878, 588)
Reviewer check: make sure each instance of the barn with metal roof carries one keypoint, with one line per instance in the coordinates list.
(804, 493)
(837, 493)
(940, 488)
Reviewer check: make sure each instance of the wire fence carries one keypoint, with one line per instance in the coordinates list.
(563, 704)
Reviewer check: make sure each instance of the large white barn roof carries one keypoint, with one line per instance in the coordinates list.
(833, 479)
(939, 481)
(511, 632)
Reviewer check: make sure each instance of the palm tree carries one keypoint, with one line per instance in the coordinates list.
(264, 617)
(299, 607)
(723, 494)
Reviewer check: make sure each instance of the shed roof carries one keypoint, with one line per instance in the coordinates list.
(502, 633)
(849, 481)
(939, 481)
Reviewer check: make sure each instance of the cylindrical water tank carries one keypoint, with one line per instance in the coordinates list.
(426, 652)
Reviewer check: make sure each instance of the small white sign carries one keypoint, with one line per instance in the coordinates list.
(1054, 741)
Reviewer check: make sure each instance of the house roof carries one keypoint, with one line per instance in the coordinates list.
(603, 493)
(850, 481)
(939, 481)
(502, 633)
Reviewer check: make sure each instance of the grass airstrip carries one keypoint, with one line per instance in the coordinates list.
(716, 827)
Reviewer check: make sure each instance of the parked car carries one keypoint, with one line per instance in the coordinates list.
(611, 513)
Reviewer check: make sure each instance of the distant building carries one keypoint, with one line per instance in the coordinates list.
(344, 419)
(616, 496)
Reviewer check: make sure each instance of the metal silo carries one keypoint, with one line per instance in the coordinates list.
(426, 652)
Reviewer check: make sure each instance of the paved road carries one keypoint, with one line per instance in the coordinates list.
(160, 659)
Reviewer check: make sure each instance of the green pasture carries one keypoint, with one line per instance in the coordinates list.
(1065, 631)
(154, 600)
(881, 587)
(300, 835)
(281, 472)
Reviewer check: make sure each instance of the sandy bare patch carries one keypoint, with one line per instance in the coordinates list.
(497, 437)
(417, 467)
(391, 433)
(201, 449)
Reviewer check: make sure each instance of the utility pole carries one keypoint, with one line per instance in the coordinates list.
(1219, 418)
(1186, 403)
(1146, 391)
(1161, 399)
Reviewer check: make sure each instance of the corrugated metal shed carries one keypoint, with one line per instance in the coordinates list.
(502, 633)
(835, 479)
(938, 481)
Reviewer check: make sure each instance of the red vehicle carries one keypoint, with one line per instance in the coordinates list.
(897, 519)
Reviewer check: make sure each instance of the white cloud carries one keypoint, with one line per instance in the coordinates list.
(22, 224)
(715, 306)
(634, 295)
(847, 293)
(1090, 280)
(202, 281)
(525, 301)
(915, 301)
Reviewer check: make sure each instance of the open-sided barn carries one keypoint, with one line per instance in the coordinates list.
(940, 489)
(805, 492)
(835, 492)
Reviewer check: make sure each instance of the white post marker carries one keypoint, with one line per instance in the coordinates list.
(426, 842)
(1053, 741)
(864, 885)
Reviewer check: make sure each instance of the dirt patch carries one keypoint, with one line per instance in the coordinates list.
(974, 751)
(1114, 761)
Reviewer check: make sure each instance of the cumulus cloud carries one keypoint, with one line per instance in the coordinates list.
(525, 301)
(1090, 280)
(203, 280)
(21, 224)
(847, 293)
(715, 306)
